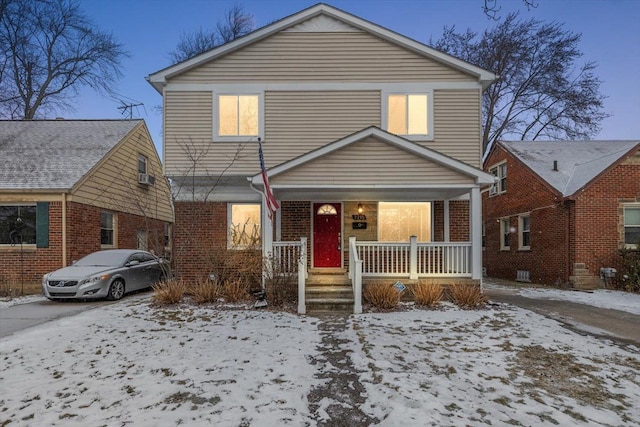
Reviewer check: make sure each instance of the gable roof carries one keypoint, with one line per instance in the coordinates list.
(55, 154)
(578, 162)
(479, 176)
(159, 78)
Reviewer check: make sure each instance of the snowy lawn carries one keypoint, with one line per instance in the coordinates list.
(135, 364)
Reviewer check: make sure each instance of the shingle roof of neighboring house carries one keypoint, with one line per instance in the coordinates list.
(55, 154)
(578, 162)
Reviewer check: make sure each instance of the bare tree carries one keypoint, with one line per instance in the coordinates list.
(492, 7)
(49, 50)
(541, 93)
(236, 23)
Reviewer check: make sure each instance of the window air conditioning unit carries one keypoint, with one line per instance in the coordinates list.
(145, 179)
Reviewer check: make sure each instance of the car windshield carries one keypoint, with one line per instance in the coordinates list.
(106, 258)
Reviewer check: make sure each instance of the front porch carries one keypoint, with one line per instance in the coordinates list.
(341, 289)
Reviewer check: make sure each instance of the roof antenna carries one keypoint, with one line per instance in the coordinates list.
(128, 108)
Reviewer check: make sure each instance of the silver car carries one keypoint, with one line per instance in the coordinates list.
(105, 274)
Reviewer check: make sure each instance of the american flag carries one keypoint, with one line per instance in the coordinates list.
(272, 203)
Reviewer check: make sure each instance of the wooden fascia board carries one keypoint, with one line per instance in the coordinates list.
(159, 78)
(480, 176)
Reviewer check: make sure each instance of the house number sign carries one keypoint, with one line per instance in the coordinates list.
(359, 217)
(359, 225)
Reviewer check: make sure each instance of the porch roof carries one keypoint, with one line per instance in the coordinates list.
(373, 164)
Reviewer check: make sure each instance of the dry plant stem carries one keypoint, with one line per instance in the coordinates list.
(467, 296)
(169, 292)
(382, 295)
(428, 294)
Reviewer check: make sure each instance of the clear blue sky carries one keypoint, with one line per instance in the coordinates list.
(149, 29)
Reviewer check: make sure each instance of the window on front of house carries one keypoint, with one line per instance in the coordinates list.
(397, 221)
(408, 114)
(244, 226)
(238, 116)
(632, 226)
(505, 234)
(18, 225)
(107, 229)
(499, 171)
(524, 235)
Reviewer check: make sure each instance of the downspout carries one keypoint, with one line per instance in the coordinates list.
(64, 229)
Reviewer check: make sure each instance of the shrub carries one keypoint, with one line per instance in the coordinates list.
(630, 277)
(281, 285)
(205, 291)
(169, 291)
(429, 294)
(467, 296)
(235, 291)
(382, 295)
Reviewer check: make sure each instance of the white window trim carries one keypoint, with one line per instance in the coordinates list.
(114, 221)
(230, 205)
(146, 163)
(497, 188)
(240, 138)
(504, 223)
(625, 206)
(521, 247)
(384, 120)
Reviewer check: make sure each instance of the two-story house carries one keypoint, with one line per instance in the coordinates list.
(369, 138)
(560, 211)
(72, 187)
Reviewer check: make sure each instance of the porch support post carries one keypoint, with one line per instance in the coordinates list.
(475, 211)
(267, 235)
(413, 257)
(447, 228)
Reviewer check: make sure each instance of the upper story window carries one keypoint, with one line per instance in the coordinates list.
(142, 164)
(18, 225)
(500, 171)
(631, 225)
(409, 114)
(237, 116)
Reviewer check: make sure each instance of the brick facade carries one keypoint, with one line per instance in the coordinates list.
(563, 231)
(83, 237)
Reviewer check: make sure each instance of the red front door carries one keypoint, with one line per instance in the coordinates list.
(327, 235)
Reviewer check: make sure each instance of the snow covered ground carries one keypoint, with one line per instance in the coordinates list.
(135, 364)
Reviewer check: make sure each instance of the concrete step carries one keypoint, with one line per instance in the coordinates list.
(328, 291)
(586, 282)
(329, 305)
(326, 279)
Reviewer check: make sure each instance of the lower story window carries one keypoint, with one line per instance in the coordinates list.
(524, 240)
(244, 225)
(505, 234)
(397, 221)
(632, 225)
(107, 229)
(18, 225)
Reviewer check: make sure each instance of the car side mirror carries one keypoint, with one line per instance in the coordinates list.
(74, 261)
(132, 263)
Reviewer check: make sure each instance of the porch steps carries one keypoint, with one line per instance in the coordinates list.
(329, 292)
(582, 279)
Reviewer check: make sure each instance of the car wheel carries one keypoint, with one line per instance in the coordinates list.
(116, 290)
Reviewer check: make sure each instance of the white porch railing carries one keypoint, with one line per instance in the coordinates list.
(355, 274)
(414, 260)
(292, 259)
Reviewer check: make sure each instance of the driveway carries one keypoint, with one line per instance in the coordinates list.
(601, 322)
(23, 316)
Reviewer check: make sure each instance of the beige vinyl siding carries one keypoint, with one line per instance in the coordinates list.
(371, 162)
(322, 56)
(113, 184)
(295, 123)
(188, 118)
(457, 125)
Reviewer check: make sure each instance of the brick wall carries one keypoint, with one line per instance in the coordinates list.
(83, 237)
(458, 221)
(199, 237)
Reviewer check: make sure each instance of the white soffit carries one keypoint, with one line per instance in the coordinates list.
(322, 24)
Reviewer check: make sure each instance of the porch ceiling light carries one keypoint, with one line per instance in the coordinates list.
(360, 208)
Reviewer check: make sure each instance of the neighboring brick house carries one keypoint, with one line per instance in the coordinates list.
(560, 210)
(367, 134)
(72, 187)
